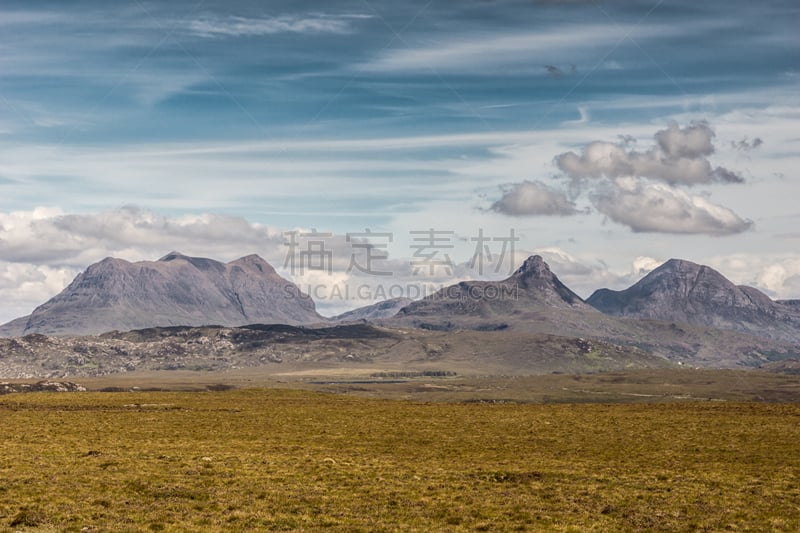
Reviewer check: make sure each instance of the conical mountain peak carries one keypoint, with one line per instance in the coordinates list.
(534, 266)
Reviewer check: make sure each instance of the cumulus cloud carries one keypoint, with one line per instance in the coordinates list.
(642, 189)
(533, 198)
(680, 157)
(23, 286)
(657, 208)
(643, 265)
(776, 274)
(693, 141)
(792, 286)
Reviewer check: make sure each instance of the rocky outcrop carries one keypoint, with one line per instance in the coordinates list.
(41, 386)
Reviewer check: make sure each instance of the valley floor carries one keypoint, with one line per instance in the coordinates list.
(280, 459)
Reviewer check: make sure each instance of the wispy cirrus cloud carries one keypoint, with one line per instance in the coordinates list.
(471, 54)
(564, 42)
(235, 26)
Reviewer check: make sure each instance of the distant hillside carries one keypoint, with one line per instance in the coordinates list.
(280, 348)
(176, 290)
(384, 309)
(686, 292)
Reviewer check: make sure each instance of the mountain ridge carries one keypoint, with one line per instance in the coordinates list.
(115, 294)
(688, 323)
(691, 293)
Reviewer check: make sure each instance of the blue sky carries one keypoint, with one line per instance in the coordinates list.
(132, 128)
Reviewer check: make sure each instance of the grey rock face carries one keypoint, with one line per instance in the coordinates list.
(176, 290)
(683, 291)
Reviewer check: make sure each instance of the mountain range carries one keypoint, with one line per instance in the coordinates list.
(749, 332)
(681, 311)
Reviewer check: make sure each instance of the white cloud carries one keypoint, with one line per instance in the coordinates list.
(50, 236)
(36, 18)
(489, 52)
(581, 274)
(656, 208)
(533, 198)
(692, 141)
(23, 286)
(643, 265)
(233, 26)
(680, 158)
(775, 274)
(585, 117)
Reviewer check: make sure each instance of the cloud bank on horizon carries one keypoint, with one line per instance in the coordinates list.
(607, 135)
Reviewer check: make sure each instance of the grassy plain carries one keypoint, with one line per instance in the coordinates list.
(298, 460)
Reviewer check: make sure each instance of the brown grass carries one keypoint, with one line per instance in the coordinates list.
(295, 460)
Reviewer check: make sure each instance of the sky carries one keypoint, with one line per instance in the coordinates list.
(418, 143)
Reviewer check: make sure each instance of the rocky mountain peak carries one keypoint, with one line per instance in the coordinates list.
(172, 256)
(688, 269)
(531, 288)
(539, 281)
(680, 265)
(254, 261)
(534, 266)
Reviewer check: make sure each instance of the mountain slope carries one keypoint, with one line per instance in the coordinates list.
(532, 287)
(384, 309)
(175, 290)
(686, 292)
